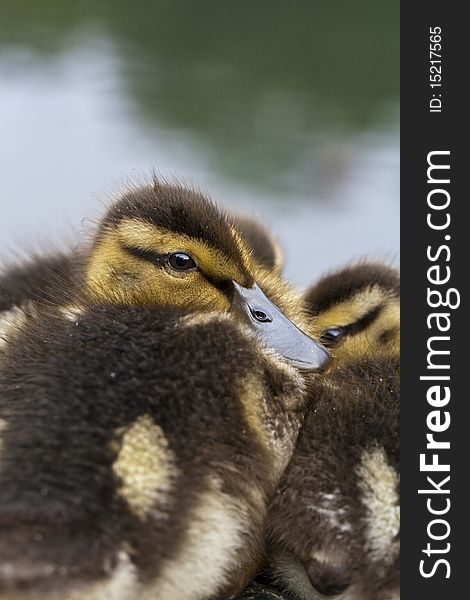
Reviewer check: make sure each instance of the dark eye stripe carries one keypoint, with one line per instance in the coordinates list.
(153, 257)
(335, 335)
(363, 322)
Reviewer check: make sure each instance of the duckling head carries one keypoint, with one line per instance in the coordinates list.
(357, 312)
(165, 245)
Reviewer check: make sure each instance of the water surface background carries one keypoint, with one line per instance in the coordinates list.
(284, 110)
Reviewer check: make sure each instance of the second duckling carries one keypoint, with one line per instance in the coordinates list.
(333, 527)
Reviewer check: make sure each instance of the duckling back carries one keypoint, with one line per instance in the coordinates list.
(333, 526)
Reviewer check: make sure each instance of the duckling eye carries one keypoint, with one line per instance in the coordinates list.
(181, 262)
(332, 336)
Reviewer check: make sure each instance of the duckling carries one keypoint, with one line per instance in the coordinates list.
(333, 526)
(145, 424)
(51, 278)
(44, 278)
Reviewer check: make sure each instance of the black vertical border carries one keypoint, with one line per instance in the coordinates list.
(422, 132)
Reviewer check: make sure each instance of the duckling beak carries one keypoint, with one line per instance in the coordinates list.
(277, 331)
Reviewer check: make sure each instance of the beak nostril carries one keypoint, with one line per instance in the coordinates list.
(261, 316)
(283, 336)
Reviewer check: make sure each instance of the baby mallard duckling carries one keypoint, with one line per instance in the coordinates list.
(145, 424)
(333, 526)
(166, 245)
(49, 277)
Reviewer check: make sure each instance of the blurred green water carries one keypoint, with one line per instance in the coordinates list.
(285, 109)
(257, 82)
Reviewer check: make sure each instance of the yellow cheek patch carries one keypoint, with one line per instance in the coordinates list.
(115, 276)
(106, 267)
(145, 466)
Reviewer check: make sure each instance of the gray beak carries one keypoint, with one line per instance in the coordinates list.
(277, 332)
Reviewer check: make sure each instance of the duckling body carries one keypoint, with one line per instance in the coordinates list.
(138, 445)
(146, 422)
(333, 526)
